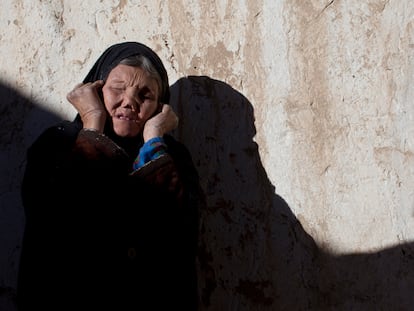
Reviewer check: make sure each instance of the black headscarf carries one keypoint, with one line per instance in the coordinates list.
(111, 57)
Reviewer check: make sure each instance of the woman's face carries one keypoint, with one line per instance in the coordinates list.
(131, 98)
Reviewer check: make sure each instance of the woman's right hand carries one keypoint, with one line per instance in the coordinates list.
(85, 98)
(161, 123)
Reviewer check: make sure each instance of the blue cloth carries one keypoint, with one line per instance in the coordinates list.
(151, 150)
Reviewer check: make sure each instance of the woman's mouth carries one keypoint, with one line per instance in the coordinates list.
(129, 118)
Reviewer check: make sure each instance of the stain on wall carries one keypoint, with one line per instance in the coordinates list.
(299, 118)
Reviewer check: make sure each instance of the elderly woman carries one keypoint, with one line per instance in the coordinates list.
(111, 198)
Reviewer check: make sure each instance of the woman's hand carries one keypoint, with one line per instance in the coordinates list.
(85, 98)
(161, 123)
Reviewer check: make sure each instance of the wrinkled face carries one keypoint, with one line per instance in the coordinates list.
(131, 98)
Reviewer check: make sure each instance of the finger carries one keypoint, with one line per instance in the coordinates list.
(165, 107)
(72, 92)
(98, 83)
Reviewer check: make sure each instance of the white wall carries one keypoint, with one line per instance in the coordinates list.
(299, 116)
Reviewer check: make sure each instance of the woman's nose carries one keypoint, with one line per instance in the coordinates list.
(130, 99)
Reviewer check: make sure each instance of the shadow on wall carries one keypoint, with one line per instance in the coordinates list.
(254, 253)
(21, 122)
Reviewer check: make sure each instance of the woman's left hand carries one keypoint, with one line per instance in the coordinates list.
(85, 98)
(161, 123)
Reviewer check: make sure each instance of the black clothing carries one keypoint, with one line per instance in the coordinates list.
(99, 235)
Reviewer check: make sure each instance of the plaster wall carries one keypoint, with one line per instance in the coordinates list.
(299, 116)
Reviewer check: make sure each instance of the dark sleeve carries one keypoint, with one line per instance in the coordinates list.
(97, 155)
(173, 172)
(176, 176)
(177, 182)
(64, 157)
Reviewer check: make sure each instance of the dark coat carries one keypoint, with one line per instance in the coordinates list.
(98, 235)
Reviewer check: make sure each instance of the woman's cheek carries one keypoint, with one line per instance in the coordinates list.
(109, 101)
(151, 109)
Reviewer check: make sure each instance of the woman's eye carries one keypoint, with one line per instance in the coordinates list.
(145, 97)
(117, 87)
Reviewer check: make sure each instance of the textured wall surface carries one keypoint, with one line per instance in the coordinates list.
(300, 118)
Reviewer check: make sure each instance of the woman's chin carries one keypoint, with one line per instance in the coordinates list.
(127, 131)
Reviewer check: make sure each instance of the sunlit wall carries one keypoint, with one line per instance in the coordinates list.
(299, 116)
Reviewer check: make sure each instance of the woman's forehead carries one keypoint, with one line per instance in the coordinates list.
(133, 76)
(128, 72)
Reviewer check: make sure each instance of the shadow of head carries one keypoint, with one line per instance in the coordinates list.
(254, 254)
(251, 245)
